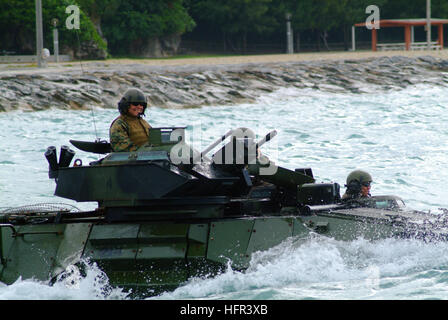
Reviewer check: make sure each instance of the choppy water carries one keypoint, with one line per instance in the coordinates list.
(400, 137)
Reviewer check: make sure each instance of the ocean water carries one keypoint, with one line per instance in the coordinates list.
(400, 137)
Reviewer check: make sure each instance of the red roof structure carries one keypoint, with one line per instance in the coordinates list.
(408, 24)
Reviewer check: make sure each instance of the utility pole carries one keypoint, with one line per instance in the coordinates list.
(55, 39)
(289, 38)
(353, 39)
(39, 33)
(428, 23)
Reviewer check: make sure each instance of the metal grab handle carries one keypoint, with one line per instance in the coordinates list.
(8, 225)
(21, 234)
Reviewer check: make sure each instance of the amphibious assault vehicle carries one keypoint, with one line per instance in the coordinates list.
(167, 212)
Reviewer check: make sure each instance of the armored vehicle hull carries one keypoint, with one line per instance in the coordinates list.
(167, 213)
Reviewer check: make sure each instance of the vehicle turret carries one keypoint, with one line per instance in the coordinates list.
(167, 176)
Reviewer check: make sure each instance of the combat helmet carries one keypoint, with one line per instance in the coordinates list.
(132, 95)
(356, 179)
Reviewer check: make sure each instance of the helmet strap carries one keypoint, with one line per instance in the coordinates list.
(354, 187)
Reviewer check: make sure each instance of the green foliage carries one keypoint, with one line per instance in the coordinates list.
(439, 8)
(234, 16)
(315, 17)
(322, 15)
(97, 8)
(233, 20)
(18, 21)
(69, 37)
(125, 23)
(122, 22)
(136, 20)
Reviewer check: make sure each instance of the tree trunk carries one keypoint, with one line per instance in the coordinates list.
(324, 36)
(224, 44)
(96, 20)
(297, 41)
(244, 42)
(346, 32)
(317, 34)
(230, 43)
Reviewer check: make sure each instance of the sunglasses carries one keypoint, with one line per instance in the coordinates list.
(143, 104)
(366, 184)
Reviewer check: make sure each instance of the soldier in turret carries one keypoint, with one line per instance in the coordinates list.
(358, 185)
(129, 131)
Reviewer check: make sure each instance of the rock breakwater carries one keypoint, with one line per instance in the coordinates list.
(102, 85)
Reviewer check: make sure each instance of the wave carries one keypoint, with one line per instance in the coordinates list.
(323, 268)
(71, 285)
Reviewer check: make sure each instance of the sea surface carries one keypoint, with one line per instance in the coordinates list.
(400, 137)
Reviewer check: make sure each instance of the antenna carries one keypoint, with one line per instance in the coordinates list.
(79, 47)
(91, 107)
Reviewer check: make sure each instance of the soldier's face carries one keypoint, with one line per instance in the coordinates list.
(135, 110)
(365, 190)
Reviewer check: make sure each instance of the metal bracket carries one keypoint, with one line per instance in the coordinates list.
(8, 225)
(21, 234)
(319, 227)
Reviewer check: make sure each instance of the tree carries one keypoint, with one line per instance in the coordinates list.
(96, 9)
(135, 22)
(83, 43)
(321, 17)
(234, 19)
(17, 22)
(18, 25)
(317, 17)
(354, 11)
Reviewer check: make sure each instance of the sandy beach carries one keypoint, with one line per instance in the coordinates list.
(27, 68)
(298, 57)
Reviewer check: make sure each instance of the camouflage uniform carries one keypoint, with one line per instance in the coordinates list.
(128, 133)
(348, 196)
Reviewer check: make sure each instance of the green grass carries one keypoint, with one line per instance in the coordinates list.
(20, 65)
(182, 56)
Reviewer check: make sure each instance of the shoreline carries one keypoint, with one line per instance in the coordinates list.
(276, 58)
(195, 82)
(77, 65)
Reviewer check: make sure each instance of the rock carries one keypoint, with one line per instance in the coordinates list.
(89, 51)
(158, 47)
(196, 85)
(89, 79)
(8, 93)
(330, 88)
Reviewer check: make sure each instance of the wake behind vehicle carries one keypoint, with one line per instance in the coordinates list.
(168, 212)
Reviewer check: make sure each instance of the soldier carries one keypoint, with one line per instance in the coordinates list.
(358, 185)
(129, 131)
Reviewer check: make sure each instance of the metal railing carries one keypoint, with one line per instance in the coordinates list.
(413, 46)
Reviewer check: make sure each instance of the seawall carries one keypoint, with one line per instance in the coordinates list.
(216, 81)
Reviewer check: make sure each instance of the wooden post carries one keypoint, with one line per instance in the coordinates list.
(374, 39)
(428, 24)
(407, 37)
(441, 36)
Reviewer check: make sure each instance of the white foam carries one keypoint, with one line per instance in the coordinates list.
(93, 286)
(325, 268)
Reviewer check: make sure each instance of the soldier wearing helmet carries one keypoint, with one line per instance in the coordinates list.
(129, 131)
(358, 185)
